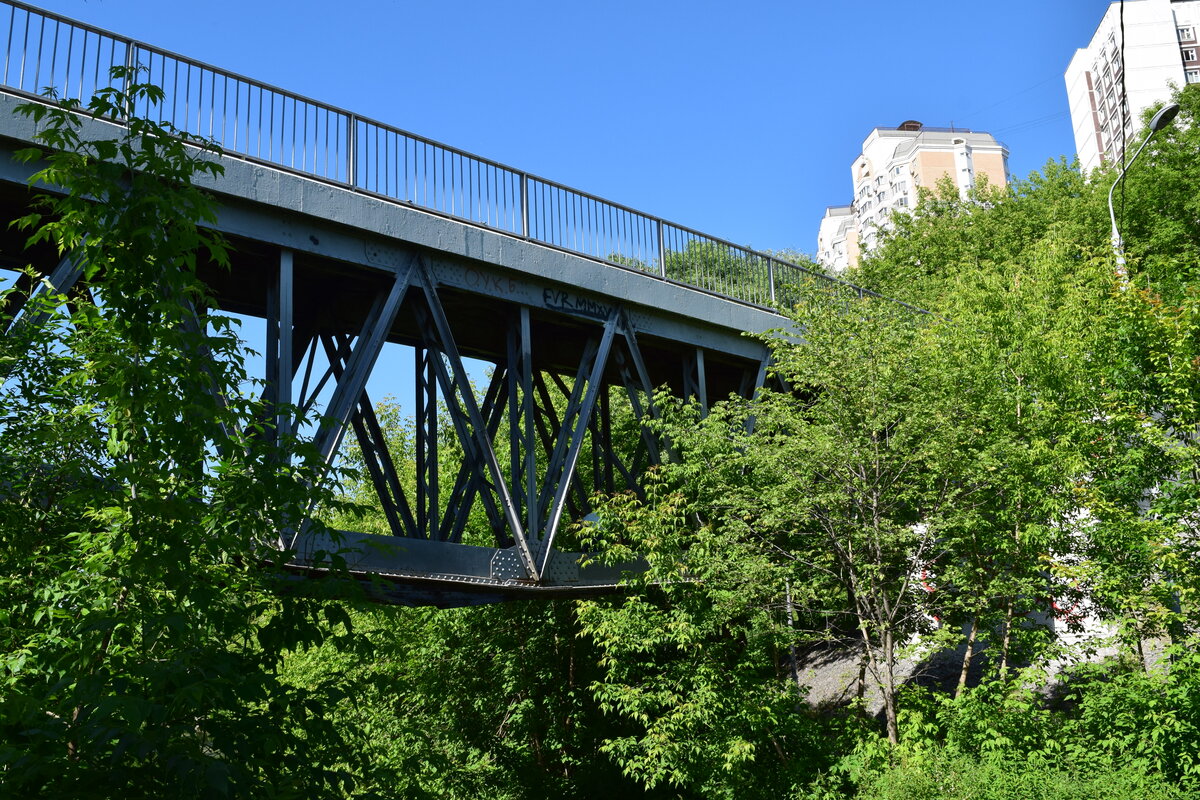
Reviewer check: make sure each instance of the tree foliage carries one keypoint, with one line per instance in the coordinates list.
(142, 623)
(1014, 470)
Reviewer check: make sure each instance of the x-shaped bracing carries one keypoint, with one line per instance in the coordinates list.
(550, 421)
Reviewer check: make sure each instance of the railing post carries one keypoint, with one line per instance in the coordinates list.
(351, 149)
(771, 276)
(525, 205)
(662, 251)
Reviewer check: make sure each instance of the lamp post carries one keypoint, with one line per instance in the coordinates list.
(1159, 121)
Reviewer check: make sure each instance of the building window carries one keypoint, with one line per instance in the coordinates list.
(1189, 54)
(1193, 76)
(1186, 34)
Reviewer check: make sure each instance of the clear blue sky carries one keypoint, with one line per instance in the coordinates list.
(738, 119)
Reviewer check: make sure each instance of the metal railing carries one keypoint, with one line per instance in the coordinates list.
(45, 52)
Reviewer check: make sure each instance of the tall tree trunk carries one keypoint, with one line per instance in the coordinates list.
(1008, 622)
(869, 660)
(791, 622)
(889, 688)
(967, 656)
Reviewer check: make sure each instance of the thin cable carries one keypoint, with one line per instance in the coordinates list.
(1032, 123)
(1008, 99)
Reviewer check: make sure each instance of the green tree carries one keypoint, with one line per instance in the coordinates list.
(142, 619)
(869, 468)
(819, 523)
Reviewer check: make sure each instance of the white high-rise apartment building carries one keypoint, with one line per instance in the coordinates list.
(837, 239)
(1161, 49)
(893, 164)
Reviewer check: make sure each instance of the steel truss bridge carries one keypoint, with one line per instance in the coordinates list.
(349, 236)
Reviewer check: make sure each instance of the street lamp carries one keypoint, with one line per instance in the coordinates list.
(1159, 121)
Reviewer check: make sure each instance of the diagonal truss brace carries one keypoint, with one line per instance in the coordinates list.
(358, 367)
(635, 378)
(695, 383)
(471, 480)
(375, 453)
(538, 501)
(62, 280)
(456, 391)
(595, 381)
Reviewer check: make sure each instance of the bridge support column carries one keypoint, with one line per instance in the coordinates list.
(694, 382)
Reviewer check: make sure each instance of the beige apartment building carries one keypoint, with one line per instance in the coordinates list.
(894, 164)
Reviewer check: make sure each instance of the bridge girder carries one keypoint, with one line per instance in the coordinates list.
(522, 440)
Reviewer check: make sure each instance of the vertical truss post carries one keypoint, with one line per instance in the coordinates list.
(522, 424)
(279, 366)
(528, 416)
(751, 392)
(271, 372)
(278, 374)
(512, 378)
(605, 442)
(283, 373)
(425, 387)
(596, 449)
